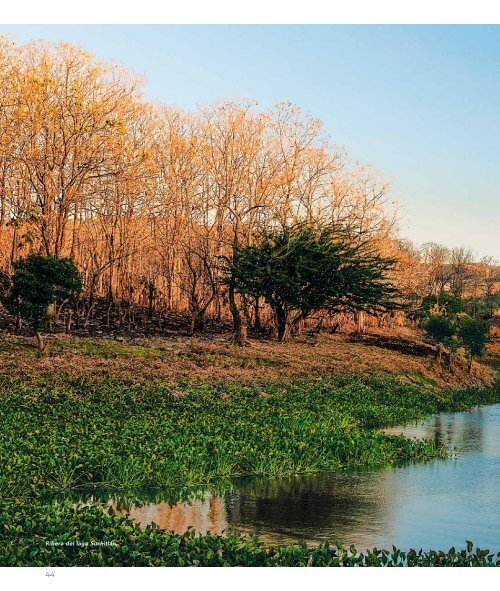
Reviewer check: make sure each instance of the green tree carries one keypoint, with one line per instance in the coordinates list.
(303, 269)
(473, 334)
(447, 303)
(38, 282)
(441, 331)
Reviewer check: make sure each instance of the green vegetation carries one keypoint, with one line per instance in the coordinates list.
(476, 307)
(38, 534)
(473, 334)
(39, 282)
(441, 331)
(63, 447)
(452, 331)
(122, 436)
(485, 306)
(303, 269)
(445, 302)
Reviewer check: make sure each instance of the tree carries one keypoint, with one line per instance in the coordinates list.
(303, 269)
(461, 260)
(440, 330)
(444, 302)
(140, 194)
(436, 259)
(473, 334)
(38, 282)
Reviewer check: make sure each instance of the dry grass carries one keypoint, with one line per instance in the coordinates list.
(201, 359)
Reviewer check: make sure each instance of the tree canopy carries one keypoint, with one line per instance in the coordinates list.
(302, 269)
(39, 281)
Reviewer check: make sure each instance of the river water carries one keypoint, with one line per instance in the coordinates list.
(436, 504)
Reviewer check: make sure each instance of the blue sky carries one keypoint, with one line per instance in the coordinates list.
(421, 103)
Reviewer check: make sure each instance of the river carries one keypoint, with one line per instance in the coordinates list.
(435, 504)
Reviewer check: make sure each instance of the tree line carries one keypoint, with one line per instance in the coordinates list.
(155, 205)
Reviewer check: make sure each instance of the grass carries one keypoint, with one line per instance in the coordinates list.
(173, 360)
(60, 534)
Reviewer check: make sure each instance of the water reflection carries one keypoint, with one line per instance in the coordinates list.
(203, 514)
(435, 504)
(465, 432)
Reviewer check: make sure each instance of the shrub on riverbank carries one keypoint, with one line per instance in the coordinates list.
(58, 534)
(125, 436)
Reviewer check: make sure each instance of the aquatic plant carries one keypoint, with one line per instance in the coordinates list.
(121, 436)
(60, 534)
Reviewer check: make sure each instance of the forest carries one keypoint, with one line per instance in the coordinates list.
(151, 202)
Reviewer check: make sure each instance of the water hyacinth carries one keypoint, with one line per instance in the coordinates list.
(116, 435)
(112, 436)
(60, 534)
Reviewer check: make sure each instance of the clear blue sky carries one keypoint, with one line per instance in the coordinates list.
(421, 103)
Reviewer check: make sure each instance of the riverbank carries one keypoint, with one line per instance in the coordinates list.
(402, 353)
(74, 433)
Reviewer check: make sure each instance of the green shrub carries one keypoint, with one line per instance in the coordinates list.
(38, 282)
(473, 334)
(445, 302)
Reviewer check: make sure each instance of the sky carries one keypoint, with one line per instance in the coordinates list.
(419, 103)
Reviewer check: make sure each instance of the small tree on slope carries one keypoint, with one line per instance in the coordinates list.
(473, 334)
(440, 330)
(38, 282)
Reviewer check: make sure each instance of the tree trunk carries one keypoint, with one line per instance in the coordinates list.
(197, 320)
(41, 344)
(439, 353)
(257, 322)
(69, 319)
(192, 324)
(360, 319)
(282, 325)
(239, 322)
(151, 297)
(283, 332)
(19, 324)
(108, 311)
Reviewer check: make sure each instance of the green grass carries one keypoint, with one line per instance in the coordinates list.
(203, 355)
(99, 348)
(58, 534)
(123, 436)
(102, 348)
(106, 349)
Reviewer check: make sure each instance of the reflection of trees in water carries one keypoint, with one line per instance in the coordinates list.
(320, 507)
(316, 508)
(364, 508)
(202, 514)
(171, 509)
(465, 431)
(327, 507)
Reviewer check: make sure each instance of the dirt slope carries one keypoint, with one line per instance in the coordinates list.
(183, 358)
